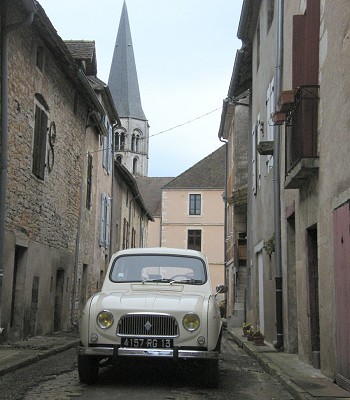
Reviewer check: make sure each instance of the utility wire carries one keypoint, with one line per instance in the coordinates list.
(185, 123)
(170, 129)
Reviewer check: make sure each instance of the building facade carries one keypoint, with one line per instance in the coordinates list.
(293, 61)
(193, 211)
(50, 106)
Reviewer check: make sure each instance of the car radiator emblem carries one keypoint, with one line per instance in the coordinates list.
(148, 326)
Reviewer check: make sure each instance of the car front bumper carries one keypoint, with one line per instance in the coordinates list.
(175, 353)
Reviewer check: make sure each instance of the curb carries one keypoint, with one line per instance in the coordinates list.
(272, 369)
(38, 356)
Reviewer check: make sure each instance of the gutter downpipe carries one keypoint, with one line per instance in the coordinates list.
(5, 30)
(221, 129)
(276, 179)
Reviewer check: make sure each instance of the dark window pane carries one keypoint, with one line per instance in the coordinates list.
(194, 239)
(195, 204)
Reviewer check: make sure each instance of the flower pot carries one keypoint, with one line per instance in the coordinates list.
(258, 340)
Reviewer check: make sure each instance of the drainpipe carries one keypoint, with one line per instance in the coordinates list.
(5, 31)
(276, 180)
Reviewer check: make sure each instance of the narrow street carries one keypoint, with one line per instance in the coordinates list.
(56, 377)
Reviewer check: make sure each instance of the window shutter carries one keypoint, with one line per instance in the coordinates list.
(108, 221)
(270, 108)
(102, 219)
(104, 157)
(39, 145)
(109, 150)
(254, 159)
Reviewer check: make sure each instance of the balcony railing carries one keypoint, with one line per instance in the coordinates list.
(301, 131)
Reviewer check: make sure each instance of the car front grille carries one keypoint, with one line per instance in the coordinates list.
(153, 325)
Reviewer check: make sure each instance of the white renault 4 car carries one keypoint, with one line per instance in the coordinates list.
(155, 303)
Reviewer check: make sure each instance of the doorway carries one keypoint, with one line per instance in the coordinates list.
(312, 272)
(58, 300)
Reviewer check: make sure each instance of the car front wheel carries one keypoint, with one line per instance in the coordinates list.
(88, 369)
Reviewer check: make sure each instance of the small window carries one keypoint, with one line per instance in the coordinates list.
(134, 166)
(39, 145)
(195, 204)
(40, 58)
(119, 140)
(89, 182)
(270, 13)
(194, 239)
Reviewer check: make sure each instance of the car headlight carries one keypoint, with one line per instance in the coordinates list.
(104, 319)
(191, 322)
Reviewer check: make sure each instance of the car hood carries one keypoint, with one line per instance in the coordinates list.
(150, 302)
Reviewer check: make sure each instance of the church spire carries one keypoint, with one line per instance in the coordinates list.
(123, 82)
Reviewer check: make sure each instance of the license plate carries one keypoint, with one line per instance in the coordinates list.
(147, 343)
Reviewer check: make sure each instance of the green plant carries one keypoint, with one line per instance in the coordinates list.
(269, 245)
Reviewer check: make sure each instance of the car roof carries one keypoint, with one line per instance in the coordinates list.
(161, 250)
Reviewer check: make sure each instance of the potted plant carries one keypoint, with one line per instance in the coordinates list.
(258, 338)
(247, 329)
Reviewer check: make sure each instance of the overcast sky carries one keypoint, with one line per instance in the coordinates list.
(184, 52)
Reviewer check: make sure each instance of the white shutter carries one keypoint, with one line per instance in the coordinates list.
(270, 108)
(108, 221)
(254, 159)
(110, 150)
(104, 157)
(102, 219)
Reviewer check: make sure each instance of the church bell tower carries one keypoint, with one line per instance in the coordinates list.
(132, 138)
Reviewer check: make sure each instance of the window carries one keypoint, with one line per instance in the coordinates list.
(105, 220)
(194, 239)
(107, 149)
(125, 243)
(270, 13)
(88, 181)
(254, 159)
(133, 238)
(270, 107)
(39, 145)
(134, 166)
(40, 58)
(120, 140)
(195, 204)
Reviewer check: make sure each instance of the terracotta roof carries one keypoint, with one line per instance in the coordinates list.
(151, 191)
(209, 173)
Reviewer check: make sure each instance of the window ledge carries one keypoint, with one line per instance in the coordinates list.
(265, 148)
(301, 173)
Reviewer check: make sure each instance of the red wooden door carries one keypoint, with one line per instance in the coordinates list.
(341, 231)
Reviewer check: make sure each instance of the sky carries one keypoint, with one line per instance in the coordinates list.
(184, 52)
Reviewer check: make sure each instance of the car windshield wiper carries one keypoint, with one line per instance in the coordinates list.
(159, 280)
(191, 281)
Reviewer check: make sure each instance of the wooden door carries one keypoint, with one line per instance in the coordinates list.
(341, 236)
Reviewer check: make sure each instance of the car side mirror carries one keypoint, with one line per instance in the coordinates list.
(221, 289)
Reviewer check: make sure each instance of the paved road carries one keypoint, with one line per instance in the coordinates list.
(56, 378)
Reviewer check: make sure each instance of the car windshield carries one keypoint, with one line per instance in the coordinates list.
(158, 268)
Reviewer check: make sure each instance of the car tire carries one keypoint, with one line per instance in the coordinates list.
(88, 369)
(210, 373)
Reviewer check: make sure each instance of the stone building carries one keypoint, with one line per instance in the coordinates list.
(232, 130)
(294, 61)
(51, 110)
